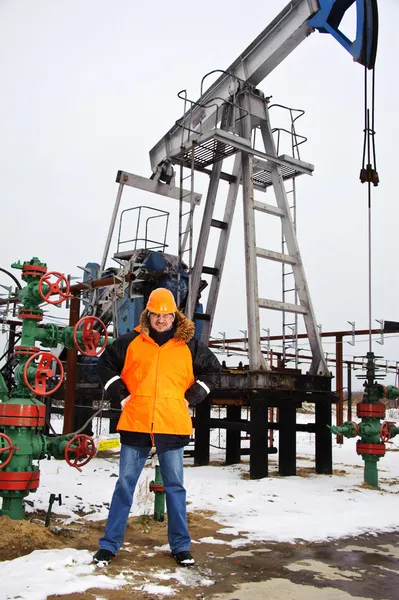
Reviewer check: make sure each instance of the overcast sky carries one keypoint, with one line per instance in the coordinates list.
(89, 87)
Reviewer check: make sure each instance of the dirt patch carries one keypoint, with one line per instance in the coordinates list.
(220, 565)
(22, 537)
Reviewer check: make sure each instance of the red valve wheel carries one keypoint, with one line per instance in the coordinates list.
(82, 453)
(43, 372)
(8, 448)
(385, 431)
(91, 337)
(55, 287)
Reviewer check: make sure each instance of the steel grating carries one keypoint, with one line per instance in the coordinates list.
(264, 177)
(207, 153)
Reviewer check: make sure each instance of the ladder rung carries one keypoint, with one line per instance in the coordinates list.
(210, 270)
(219, 224)
(282, 306)
(290, 290)
(268, 208)
(202, 316)
(288, 273)
(277, 256)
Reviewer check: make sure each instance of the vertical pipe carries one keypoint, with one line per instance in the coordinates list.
(349, 386)
(71, 372)
(339, 384)
(11, 341)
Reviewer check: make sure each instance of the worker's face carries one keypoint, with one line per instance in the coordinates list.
(161, 322)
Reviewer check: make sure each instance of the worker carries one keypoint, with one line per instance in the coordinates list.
(155, 372)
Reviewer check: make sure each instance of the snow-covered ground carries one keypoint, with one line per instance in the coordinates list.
(275, 508)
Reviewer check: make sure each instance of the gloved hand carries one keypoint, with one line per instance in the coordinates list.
(125, 401)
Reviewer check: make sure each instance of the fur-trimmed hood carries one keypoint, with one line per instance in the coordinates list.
(184, 327)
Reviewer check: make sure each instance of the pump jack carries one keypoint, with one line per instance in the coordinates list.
(218, 125)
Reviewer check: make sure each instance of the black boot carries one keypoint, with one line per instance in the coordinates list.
(103, 556)
(184, 558)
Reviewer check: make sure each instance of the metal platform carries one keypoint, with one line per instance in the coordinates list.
(218, 144)
(262, 177)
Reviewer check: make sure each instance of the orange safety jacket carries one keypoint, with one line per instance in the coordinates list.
(157, 378)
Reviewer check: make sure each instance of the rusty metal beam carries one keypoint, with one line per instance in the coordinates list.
(339, 374)
(304, 336)
(71, 372)
(228, 349)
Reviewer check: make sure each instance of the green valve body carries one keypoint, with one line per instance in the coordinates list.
(22, 414)
(156, 486)
(372, 433)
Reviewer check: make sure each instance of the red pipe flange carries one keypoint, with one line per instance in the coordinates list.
(156, 487)
(25, 350)
(33, 271)
(370, 410)
(356, 426)
(25, 481)
(376, 449)
(26, 313)
(21, 415)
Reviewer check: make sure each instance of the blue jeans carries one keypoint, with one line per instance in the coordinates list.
(132, 461)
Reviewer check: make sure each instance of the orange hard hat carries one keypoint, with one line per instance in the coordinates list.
(161, 301)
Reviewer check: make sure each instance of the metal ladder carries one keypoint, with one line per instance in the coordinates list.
(289, 291)
(185, 236)
(186, 217)
(290, 257)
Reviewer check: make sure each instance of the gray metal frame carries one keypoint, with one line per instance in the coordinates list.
(149, 185)
(259, 59)
(253, 114)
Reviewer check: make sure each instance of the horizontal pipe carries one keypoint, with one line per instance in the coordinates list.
(304, 336)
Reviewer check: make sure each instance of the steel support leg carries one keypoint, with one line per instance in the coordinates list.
(258, 454)
(204, 234)
(287, 438)
(233, 438)
(222, 250)
(256, 359)
(202, 434)
(323, 444)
